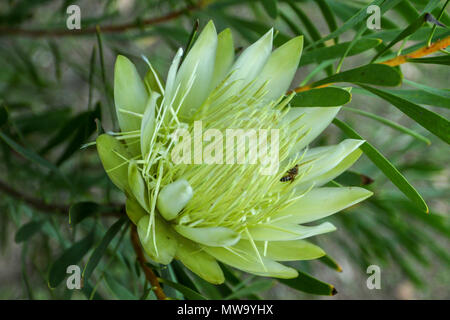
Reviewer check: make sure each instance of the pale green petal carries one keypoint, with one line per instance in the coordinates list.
(114, 157)
(148, 124)
(153, 80)
(339, 169)
(281, 67)
(279, 231)
(289, 250)
(137, 185)
(224, 56)
(134, 211)
(249, 64)
(198, 261)
(171, 76)
(313, 121)
(173, 198)
(317, 163)
(322, 202)
(213, 236)
(130, 95)
(166, 243)
(200, 63)
(242, 256)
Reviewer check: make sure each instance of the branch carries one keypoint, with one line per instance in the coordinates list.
(149, 274)
(36, 33)
(424, 51)
(42, 206)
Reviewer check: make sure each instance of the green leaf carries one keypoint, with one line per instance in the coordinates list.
(431, 121)
(28, 230)
(100, 250)
(183, 277)
(359, 17)
(271, 7)
(82, 133)
(443, 60)
(333, 52)
(243, 26)
(81, 210)
(118, 289)
(307, 283)
(375, 74)
(330, 262)
(29, 154)
(70, 256)
(328, 15)
(43, 122)
(188, 293)
(322, 97)
(445, 93)
(82, 124)
(385, 166)
(3, 115)
(351, 178)
(309, 25)
(405, 33)
(254, 288)
(421, 96)
(391, 124)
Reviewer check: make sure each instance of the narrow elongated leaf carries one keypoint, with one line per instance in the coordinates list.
(405, 33)
(271, 7)
(359, 17)
(183, 277)
(3, 116)
(118, 289)
(328, 15)
(188, 293)
(329, 261)
(336, 51)
(82, 133)
(29, 154)
(82, 210)
(71, 256)
(66, 131)
(307, 283)
(351, 178)
(28, 230)
(255, 287)
(440, 92)
(437, 98)
(100, 250)
(43, 122)
(391, 124)
(443, 60)
(385, 166)
(322, 97)
(375, 74)
(309, 25)
(431, 121)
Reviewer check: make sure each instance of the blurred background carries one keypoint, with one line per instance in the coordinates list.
(56, 96)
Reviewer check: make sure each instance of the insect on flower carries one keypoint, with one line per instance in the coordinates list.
(291, 174)
(204, 212)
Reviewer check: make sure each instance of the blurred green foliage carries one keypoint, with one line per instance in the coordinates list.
(56, 97)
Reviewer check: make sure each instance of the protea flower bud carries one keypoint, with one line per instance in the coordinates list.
(198, 204)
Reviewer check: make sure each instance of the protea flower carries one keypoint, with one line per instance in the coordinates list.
(206, 211)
